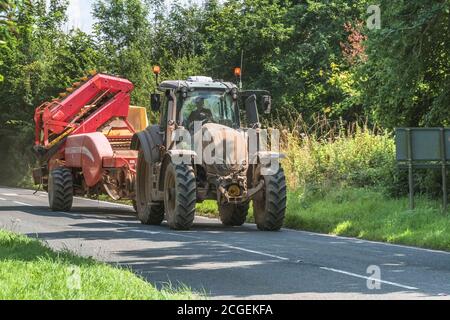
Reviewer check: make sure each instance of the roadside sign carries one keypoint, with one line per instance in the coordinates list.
(423, 148)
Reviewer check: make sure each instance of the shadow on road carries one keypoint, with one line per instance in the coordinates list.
(218, 259)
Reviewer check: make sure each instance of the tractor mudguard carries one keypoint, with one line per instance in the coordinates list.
(177, 156)
(149, 140)
(87, 151)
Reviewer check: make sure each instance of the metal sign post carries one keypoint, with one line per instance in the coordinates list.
(444, 168)
(424, 148)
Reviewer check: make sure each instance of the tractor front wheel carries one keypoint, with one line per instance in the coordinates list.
(233, 215)
(269, 205)
(180, 196)
(60, 189)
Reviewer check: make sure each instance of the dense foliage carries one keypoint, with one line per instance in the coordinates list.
(314, 56)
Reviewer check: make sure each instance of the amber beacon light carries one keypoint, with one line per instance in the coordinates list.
(156, 69)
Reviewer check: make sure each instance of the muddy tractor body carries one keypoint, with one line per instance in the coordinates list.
(200, 150)
(83, 141)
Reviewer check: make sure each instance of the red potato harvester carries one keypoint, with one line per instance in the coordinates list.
(83, 141)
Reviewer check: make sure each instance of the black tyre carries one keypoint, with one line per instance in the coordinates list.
(148, 212)
(180, 196)
(269, 205)
(60, 189)
(233, 215)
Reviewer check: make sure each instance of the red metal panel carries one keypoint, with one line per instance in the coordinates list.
(122, 158)
(82, 96)
(117, 107)
(87, 151)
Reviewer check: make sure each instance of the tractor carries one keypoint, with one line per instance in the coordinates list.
(201, 150)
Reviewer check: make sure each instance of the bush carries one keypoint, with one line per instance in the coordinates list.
(331, 155)
(346, 155)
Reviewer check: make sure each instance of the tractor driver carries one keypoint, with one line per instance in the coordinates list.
(201, 113)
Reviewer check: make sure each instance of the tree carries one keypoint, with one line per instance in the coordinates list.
(407, 75)
(123, 32)
(291, 48)
(39, 60)
(6, 24)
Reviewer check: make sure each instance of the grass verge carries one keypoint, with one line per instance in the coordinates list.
(365, 214)
(29, 270)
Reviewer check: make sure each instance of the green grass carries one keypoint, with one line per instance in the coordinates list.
(30, 270)
(365, 214)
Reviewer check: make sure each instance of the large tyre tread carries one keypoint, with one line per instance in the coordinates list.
(186, 198)
(276, 200)
(154, 216)
(62, 189)
(233, 215)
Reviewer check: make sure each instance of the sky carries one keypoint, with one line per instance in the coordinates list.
(79, 13)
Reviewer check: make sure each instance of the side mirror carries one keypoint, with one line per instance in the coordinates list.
(267, 104)
(251, 109)
(155, 100)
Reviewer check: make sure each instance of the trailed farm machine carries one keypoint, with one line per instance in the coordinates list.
(90, 141)
(83, 141)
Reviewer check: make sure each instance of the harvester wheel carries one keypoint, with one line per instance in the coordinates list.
(148, 212)
(180, 196)
(270, 203)
(233, 215)
(60, 189)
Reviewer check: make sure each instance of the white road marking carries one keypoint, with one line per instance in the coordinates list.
(363, 241)
(182, 235)
(145, 231)
(112, 222)
(10, 194)
(105, 202)
(369, 278)
(254, 251)
(23, 204)
(1, 199)
(165, 233)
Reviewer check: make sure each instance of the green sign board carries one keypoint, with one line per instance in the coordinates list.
(423, 148)
(425, 144)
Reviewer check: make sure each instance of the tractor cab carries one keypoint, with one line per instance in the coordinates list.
(203, 99)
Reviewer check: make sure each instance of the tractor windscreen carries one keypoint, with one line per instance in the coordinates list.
(209, 107)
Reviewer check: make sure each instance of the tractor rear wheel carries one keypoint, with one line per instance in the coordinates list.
(148, 212)
(233, 215)
(60, 189)
(269, 205)
(180, 196)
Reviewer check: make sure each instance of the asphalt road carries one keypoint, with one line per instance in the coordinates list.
(232, 263)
